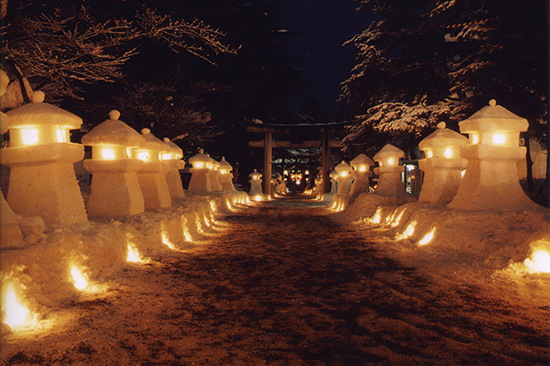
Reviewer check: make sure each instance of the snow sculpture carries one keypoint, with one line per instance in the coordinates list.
(490, 181)
(442, 165)
(173, 177)
(255, 183)
(344, 178)
(361, 174)
(152, 175)
(334, 181)
(200, 180)
(115, 190)
(225, 177)
(389, 170)
(41, 156)
(214, 175)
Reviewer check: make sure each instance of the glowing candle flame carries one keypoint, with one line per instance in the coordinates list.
(499, 138)
(408, 231)
(540, 262)
(133, 254)
(60, 135)
(428, 237)
(448, 153)
(144, 156)
(475, 139)
(16, 314)
(362, 168)
(397, 219)
(166, 156)
(108, 154)
(166, 241)
(429, 153)
(376, 218)
(79, 281)
(29, 136)
(257, 198)
(390, 161)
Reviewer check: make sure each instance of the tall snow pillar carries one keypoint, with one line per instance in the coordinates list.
(389, 170)
(361, 173)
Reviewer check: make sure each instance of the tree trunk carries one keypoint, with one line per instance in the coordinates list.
(530, 183)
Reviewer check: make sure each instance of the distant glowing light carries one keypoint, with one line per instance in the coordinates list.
(29, 136)
(462, 173)
(448, 153)
(213, 206)
(409, 231)
(499, 138)
(199, 165)
(108, 154)
(428, 237)
(16, 313)
(429, 153)
(475, 139)
(540, 261)
(80, 281)
(166, 156)
(343, 174)
(198, 223)
(391, 161)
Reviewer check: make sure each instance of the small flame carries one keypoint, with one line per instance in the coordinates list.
(448, 153)
(540, 261)
(133, 254)
(16, 313)
(376, 218)
(166, 241)
(80, 281)
(408, 231)
(397, 219)
(428, 237)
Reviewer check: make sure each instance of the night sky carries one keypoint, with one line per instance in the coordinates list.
(317, 32)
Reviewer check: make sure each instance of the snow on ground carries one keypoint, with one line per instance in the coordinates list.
(289, 282)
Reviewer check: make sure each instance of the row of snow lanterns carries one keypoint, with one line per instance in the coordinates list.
(131, 172)
(480, 175)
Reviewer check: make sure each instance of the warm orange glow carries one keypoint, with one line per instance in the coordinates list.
(391, 161)
(15, 313)
(396, 221)
(60, 135)
(29, 136)
(475, 138)
(428, 237)
(539, 261)
(166, 156)
(362, 168)
(462, 173)
(448, 153)
(409, 231)
(258, 198)
(376, 218)
(166, 241)
(80, 281)
(429, 153)
(198, 223)
(499, 138)
(224, 171)
(133, 254)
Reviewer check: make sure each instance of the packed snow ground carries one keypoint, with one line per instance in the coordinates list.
(290, 282)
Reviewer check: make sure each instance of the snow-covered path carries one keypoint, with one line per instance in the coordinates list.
(283, 284)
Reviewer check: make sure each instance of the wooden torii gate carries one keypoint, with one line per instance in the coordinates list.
(301, 136)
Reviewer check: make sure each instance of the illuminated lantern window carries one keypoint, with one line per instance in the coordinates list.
(345, 178)
(362, 173)
(113, 143)
(389, 170)
(200, 178)
(491, 181)
(40, 155)
(442, 166)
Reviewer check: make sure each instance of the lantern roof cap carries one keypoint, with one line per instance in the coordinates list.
(389, 151)
(39, 113)
(255, 173)
(334, 174)
(113, 132)
(200, 157)
(224, 164)
(174, 149)
(361, 159)
(153, 143)
(494, 118)
(343, 167)
(443, 137)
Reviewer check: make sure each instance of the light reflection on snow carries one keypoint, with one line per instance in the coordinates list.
(409, 231)
(540, 261)
(428, 237)
(80, 281)
(377, 216)
(16, 315)
(396, 221)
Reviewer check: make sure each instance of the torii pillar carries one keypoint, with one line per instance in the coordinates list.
(325, 171)
(268, 163)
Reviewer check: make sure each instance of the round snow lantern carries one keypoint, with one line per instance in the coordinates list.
(152, 175)
(115, 190)
(490, 181)
(389, 170)
(442, 165)
(361, 173)
(225, 177)
(344, 178)
(173, 177)
(255, 183)
(200, 179)
(41, 157)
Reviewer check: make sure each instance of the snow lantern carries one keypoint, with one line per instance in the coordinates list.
(225, 177)
(115, 190)
(389, 170)
(490, 181)
(334, 181)
(41, 157)
(361, 173)
(255, 183)
(173, 177)
(442, 165)
(152, 175)
(214, 175)
(200, 179)
(344, 177)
